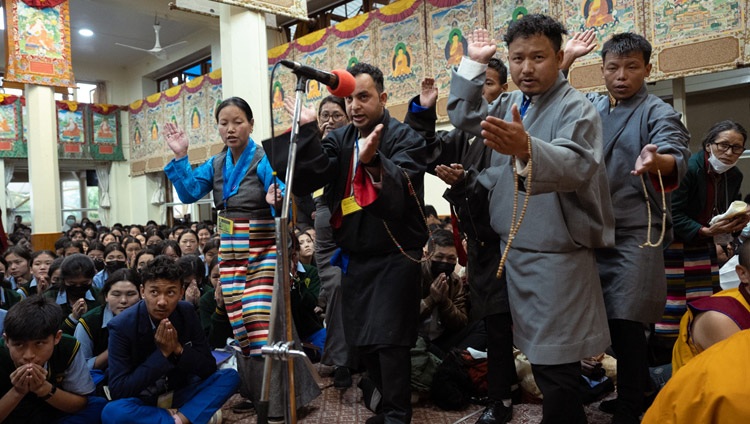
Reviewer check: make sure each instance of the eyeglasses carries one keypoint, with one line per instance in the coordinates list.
(723, 147)
(326, 116)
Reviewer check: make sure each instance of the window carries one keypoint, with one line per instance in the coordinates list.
(184, 75)
(178, 211)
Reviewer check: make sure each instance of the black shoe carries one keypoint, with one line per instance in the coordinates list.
(342, 378)
(243, 407)
(609, 406)
(496, 413)
(376, 419)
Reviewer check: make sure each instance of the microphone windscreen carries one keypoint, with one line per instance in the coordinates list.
(346, 83)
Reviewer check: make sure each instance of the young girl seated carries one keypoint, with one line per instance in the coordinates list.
(120, 292)
(74, 293)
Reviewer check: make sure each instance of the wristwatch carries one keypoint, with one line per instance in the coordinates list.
(374, 161)
(50, 393)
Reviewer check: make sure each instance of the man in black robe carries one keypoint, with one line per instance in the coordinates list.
(374, 170)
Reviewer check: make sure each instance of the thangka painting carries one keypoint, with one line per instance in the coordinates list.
(315, 90)
(106, 139)
(606, 17)
(694, 37)
(450, 21)
(71, 133)
(38, 43)
(282, 84)
(505, 12)
(136, 119)
(402, 50)
(12, 143)
(352, 43)
(190, 106)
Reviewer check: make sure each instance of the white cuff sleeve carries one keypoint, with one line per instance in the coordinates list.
(522, 168)
(470, 69)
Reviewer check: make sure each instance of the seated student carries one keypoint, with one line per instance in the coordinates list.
(713, 319)
(304, 290)
(711, 389)
(43, 377)
(8, 296)
(210, 251)
(443, 310)
(132, 246)
(71, 247)
(53, 272)
(119, 293)
(160, 365)
(19, 266)
(193, 277)
(213, 314)
(59, 245)
(40, 263)
(74, 293)
(143, 257)
(96, 253)
(115, 258)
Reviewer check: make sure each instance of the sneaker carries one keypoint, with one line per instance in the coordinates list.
(342, 378)
(243, 407)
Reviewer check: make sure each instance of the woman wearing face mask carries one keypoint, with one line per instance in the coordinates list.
(74, 293)
(711, 184)
(115, 257)
(120, 292)
(96, 253)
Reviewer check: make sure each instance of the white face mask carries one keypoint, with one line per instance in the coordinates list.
(718, 166)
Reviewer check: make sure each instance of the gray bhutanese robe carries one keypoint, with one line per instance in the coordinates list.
(633, 278)
(553, 283)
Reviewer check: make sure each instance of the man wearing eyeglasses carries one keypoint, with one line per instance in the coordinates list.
(646, 154)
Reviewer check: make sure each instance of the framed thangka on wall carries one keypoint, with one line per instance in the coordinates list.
(696, 37)
(450, 21)
(351, 42)
(12, 143)
(606, 18)
(71, 134)
(402, 52)
(106, 138)
(38, 43)
(503, 13)
(282, 85)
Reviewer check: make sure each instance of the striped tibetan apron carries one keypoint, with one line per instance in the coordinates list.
(248, 262)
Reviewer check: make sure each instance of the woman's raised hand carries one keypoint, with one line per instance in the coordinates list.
(176, 140)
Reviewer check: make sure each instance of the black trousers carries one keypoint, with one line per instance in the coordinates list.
(560, 385)
(631, 349)
(501, 366)
(389, 367)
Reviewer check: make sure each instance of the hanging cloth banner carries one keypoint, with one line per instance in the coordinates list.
(38, 40)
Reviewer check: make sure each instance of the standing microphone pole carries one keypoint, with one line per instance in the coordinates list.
(283, 350)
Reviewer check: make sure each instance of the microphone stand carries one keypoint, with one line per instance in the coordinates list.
(283, 350)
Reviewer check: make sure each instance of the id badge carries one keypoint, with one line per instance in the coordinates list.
(226, 226)
(349, 206)
(319, 192)
(165, 400)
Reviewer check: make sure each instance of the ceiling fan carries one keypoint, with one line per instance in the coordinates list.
(157, 50)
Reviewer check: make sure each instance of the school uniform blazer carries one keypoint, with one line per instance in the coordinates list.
(135, 363)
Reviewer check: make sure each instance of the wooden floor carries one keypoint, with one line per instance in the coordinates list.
(334, 406)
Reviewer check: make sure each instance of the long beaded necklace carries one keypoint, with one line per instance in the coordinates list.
(413, 193)
(514, 226)
(648, 242)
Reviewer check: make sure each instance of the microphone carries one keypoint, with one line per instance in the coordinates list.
(340, 82)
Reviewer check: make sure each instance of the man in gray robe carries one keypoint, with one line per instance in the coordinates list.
(554, 137)
(643, 137)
